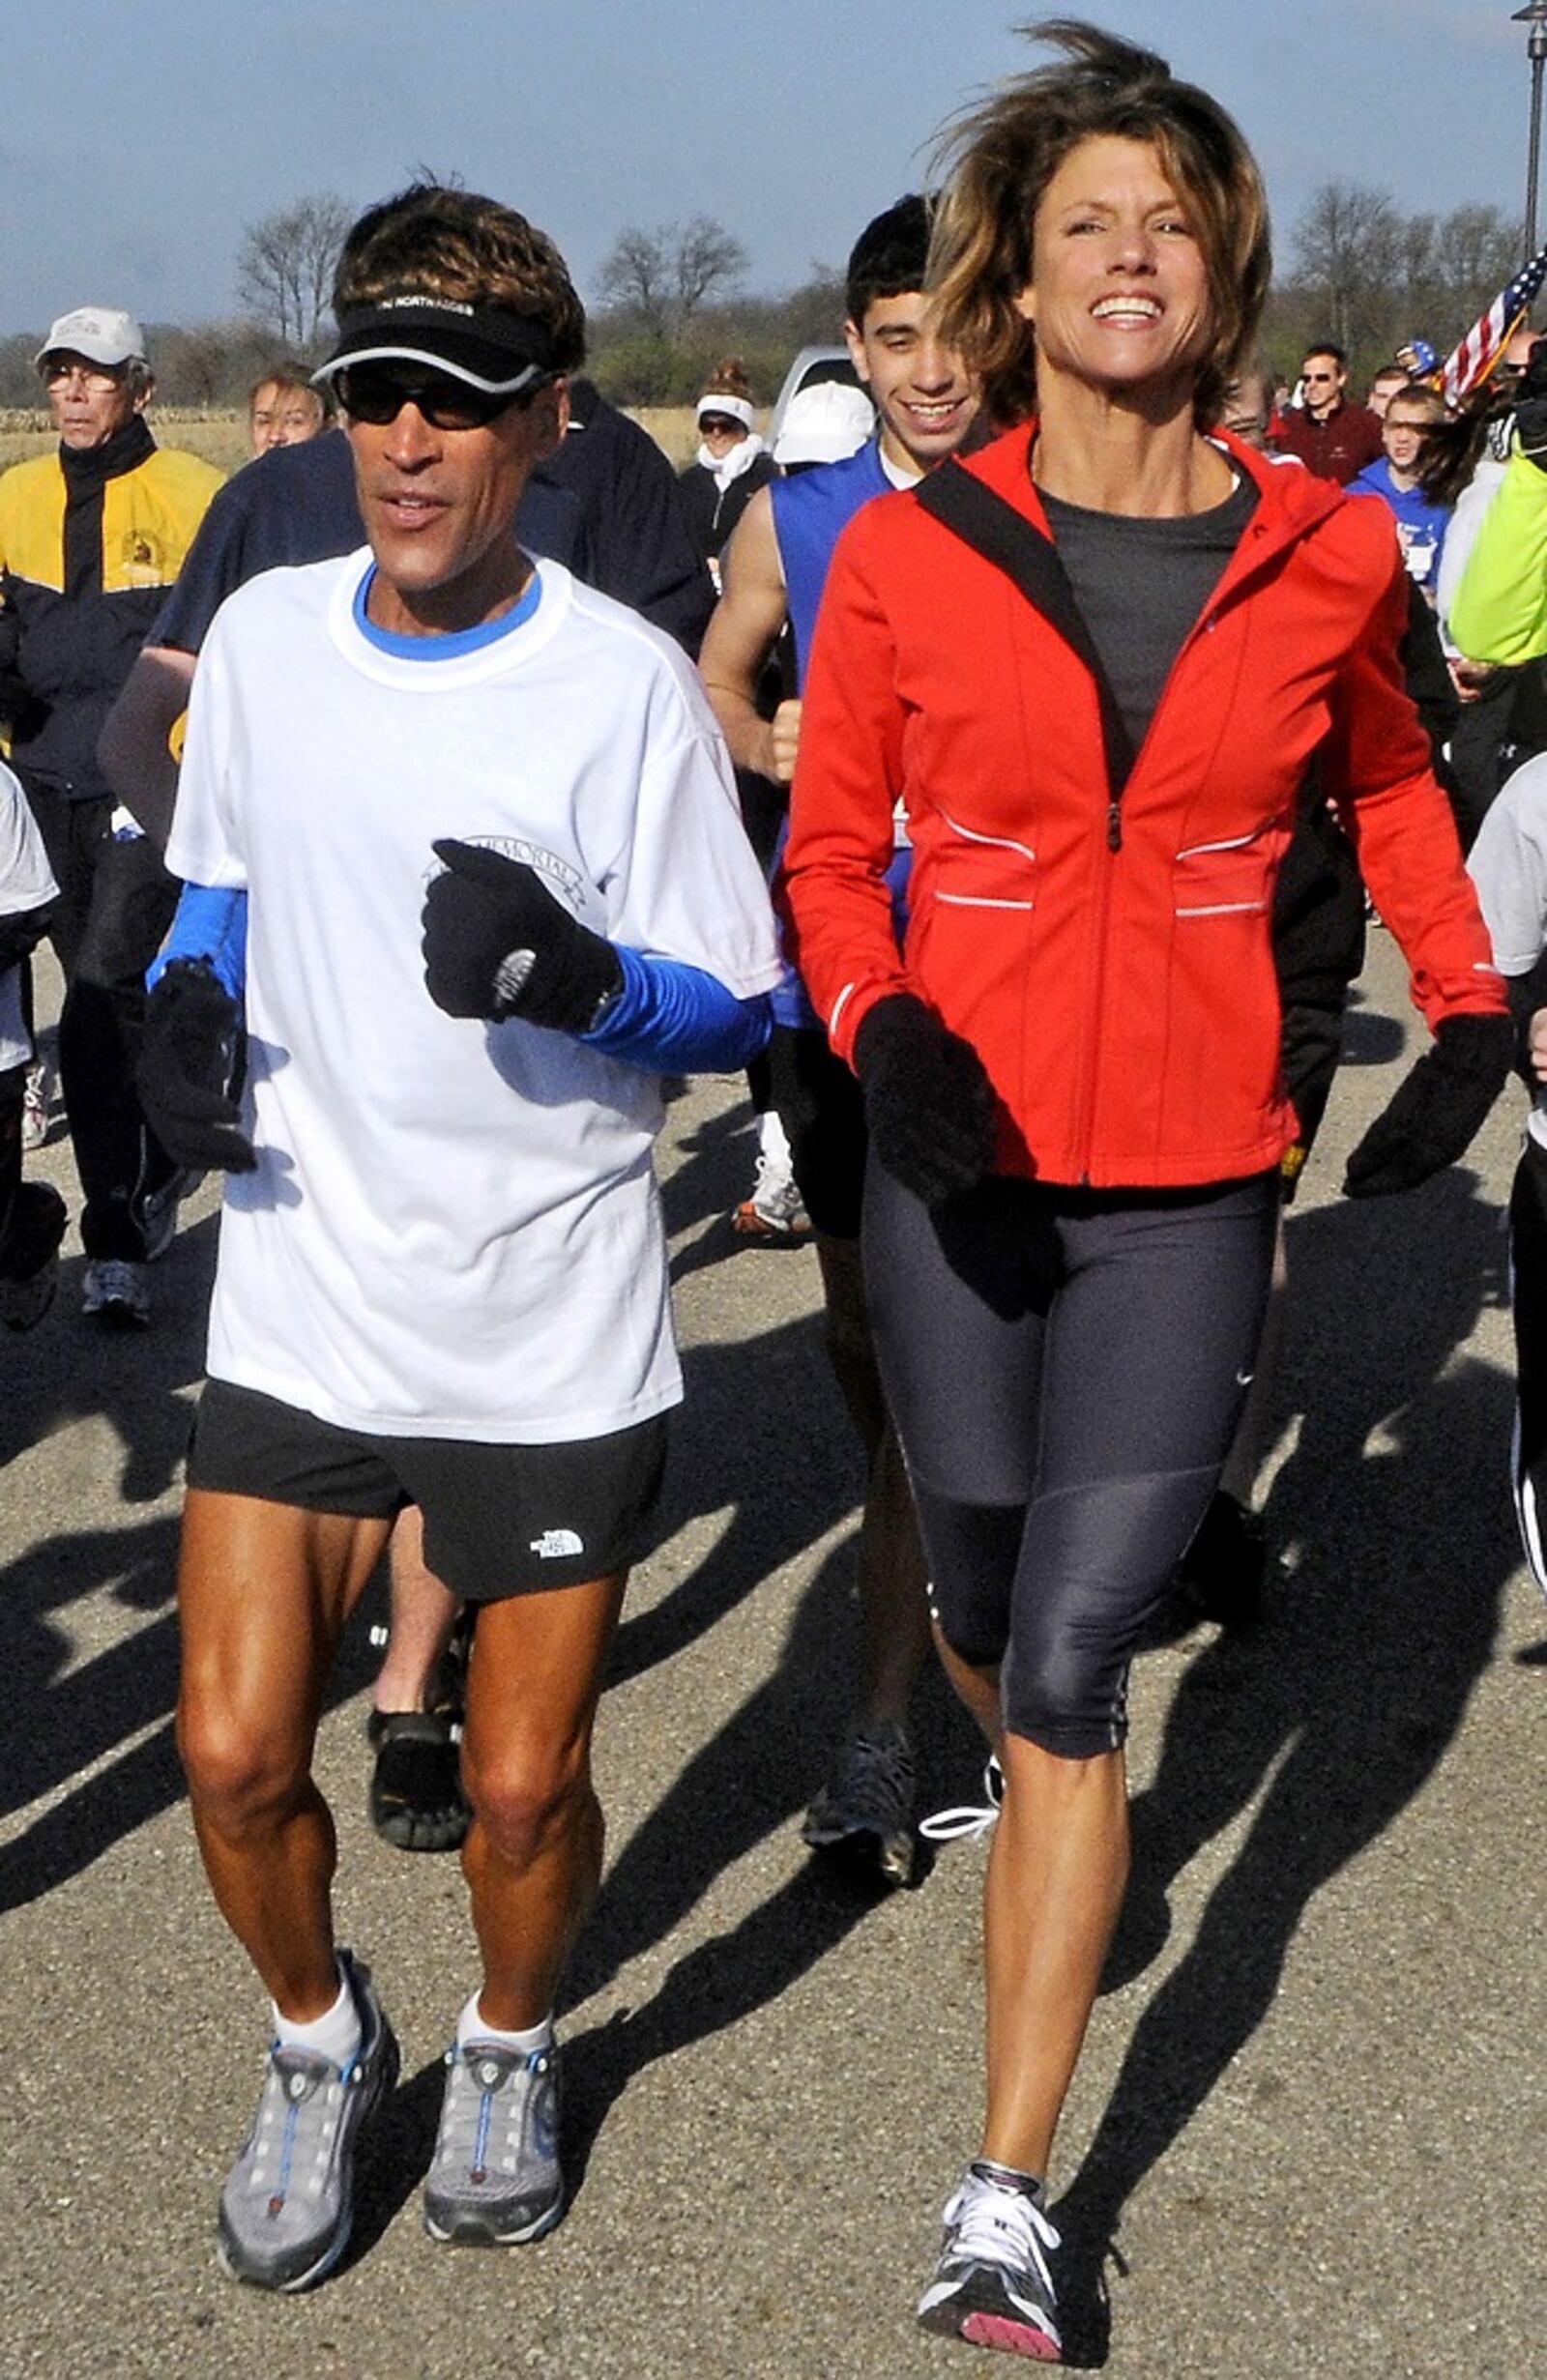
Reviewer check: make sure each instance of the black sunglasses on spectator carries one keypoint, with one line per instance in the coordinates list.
(377, 393)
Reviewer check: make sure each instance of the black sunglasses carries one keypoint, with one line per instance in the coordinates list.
(378, 394)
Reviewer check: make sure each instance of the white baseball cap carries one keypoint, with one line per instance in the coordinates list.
(823, 423)
(102, 334)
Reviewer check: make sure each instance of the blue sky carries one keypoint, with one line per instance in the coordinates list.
(138, 141)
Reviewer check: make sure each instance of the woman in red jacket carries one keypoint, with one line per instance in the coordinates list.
(1071, 1071)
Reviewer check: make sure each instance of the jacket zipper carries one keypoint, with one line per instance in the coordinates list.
(1234, 570)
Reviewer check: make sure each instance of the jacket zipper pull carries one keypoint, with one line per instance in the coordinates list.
(1113, 825)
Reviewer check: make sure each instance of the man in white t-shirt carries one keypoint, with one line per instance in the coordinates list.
(32, 1214)
(442, 1275)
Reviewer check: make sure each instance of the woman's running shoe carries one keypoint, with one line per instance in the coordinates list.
(993, 2285)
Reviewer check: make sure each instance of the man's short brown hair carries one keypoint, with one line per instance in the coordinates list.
(453, 244)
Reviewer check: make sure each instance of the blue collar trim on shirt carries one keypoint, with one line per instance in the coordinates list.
(443, 648)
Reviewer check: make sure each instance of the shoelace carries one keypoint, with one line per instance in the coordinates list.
(298, 2122)
(968, 1818)
(1000, 2226)
(476, 2104)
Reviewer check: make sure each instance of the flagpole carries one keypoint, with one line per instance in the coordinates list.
(1536, 16)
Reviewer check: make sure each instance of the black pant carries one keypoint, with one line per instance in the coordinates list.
(116, 904)
(1066, 1369)
(1527, 1297)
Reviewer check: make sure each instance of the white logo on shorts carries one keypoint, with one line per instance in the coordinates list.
(555, 1542)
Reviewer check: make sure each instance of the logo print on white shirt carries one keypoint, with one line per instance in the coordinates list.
(555, 1542)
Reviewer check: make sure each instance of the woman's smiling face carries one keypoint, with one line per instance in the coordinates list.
(1119, 293)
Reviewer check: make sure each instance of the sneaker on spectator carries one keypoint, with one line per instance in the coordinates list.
(117, 1291)
(776, 1209)
(864, 1814)
(29, 1255)
(157, 1216)
(35, 1107)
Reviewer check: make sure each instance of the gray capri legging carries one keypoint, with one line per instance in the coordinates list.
(1066, 1369)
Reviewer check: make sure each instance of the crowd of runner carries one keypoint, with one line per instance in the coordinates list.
(1001, 767)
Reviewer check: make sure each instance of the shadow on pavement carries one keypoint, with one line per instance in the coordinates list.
(1394, 1515)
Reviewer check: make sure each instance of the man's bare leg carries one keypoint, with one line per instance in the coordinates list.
(264, 1591)
(421, 1615)
(533, 1856)
(533, 1860)
(416, 1798)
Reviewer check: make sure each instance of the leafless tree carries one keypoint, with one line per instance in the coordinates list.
(1477, 248)
(666, 277)
(286, 263)
(1349, 251)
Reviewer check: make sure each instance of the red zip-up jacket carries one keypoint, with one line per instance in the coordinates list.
(1124, 1000)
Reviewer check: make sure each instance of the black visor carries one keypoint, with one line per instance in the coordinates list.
(501, 352)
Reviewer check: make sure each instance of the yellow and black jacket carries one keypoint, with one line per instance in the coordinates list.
(89, 544)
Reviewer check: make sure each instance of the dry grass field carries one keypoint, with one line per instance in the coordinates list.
(221, 437)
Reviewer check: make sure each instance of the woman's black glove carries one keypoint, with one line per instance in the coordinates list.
(927, 1099)
(1437, 1109)
(189, 1075)
(498, 945)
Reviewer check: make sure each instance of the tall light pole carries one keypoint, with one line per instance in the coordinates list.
(1536, 16)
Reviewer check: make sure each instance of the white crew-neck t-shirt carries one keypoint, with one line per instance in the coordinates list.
(453, 1229)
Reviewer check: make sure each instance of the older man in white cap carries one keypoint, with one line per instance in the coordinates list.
(91, 537)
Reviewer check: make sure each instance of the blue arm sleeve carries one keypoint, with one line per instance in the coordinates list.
(675, 1019)
(212, 925)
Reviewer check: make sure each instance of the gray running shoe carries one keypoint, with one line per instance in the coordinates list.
(288, 2204)
(495, 2179)
(864, 1811)
(993, 2285)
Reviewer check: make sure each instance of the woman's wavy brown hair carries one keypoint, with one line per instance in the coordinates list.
(996, 159)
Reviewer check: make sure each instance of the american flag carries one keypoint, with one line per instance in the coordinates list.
(1479, 352)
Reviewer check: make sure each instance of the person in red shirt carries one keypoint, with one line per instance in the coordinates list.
(1328, 435)
(1094, 664)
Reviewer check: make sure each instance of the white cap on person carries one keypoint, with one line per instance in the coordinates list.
(104, 335)
(823, 423)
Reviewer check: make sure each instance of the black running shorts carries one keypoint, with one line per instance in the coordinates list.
(499, 1521)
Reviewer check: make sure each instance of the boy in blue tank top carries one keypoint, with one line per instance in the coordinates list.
(775, 569)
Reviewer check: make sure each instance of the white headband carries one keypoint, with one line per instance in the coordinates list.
(735, 408)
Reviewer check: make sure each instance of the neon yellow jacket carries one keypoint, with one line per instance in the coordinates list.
(1500, 612)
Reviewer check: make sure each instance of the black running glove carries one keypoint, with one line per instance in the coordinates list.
(498, 945)
(189, 1071)
(1438, 1108)
(929, 1101)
